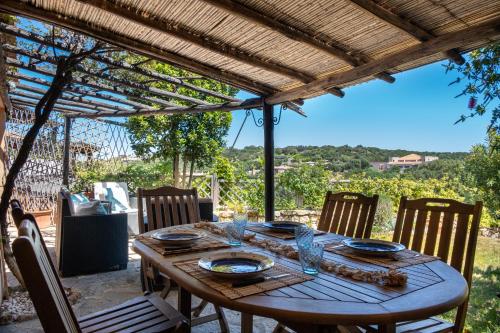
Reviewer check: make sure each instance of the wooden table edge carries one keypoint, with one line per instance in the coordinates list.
(385, 316)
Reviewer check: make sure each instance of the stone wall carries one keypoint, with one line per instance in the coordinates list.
(297, 215)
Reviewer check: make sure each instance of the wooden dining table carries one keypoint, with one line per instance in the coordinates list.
(328, 300)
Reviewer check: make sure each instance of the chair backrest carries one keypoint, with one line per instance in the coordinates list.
(39, 275)
(420, 222)
(167, 206)
(348, 214)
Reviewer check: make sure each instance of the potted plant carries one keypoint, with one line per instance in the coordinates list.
(43, 218)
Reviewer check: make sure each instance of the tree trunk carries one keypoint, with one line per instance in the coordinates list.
(191, 171)
(175, 170)
(184, 170)
(42, 112)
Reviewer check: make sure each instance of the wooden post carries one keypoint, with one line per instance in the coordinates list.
(215, 190)
(3, 172)
(268, 111)
(66, 155)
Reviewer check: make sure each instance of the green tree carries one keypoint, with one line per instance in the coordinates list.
(306, 183)
(483, 165)
(482, 83)
(193, 139)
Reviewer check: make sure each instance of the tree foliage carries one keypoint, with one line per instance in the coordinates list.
(307, 184)
(482, 83)
(483, 164)
(193, 138)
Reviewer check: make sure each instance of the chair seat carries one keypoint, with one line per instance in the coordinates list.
(142, 314)
(429, 325)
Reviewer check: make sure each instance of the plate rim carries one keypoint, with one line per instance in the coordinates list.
(271, 265)
(267, 224)
(200, 234)
(400, 247)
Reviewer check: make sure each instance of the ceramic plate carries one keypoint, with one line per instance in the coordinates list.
(283, 226)
(179, 238)
(236, 265)
(373, 246)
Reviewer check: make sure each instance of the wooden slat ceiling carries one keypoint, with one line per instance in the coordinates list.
(244, 42)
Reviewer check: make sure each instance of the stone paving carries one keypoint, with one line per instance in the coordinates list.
(103, 290)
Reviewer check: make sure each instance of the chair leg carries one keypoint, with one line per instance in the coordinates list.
(197, 310)
(280, 329)
(224, 327)
(166, 290)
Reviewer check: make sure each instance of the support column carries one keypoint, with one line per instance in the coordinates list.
(66, 155)
(268, 111)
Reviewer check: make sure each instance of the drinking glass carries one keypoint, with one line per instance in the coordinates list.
(236, 229)
(310, 258)
(304, 236)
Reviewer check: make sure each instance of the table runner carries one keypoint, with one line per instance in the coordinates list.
(224, 285)
(282, 235)
(207, 243)
(398, 260)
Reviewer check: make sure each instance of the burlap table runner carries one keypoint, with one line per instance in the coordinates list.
(224, 285)
(281, 235)
(207, 243)
(398, 260)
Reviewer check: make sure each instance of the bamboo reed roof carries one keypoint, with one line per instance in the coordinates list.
(283, 49)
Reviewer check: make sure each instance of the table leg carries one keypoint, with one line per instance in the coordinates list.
(387, 328)
(184, 305)
(246, 323)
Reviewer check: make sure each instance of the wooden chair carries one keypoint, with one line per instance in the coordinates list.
(165, 207)
(142, 314)
(419, 225)
(348, 214)
(344, 213)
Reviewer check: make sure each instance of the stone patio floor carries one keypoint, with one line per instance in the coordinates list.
(104, 290)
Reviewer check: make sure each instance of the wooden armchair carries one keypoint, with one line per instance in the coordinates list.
(419, 225)
(348, 214)
(142, 314)
(165, 207)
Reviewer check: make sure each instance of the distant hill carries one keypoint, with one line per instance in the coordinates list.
(342, 158)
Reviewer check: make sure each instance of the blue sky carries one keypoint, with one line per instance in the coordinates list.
(417, 112)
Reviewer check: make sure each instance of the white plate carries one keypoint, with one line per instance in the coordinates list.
(235, 265)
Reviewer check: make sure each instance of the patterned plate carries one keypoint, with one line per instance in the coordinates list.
(282, 226)
(373, 246)
(180, 238)
(235, 265)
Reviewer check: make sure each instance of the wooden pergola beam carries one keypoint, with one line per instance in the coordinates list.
(92, 84)
(218, 46)
(485, 31)
(57, 107)
(61, 101)
(404, 25)
(25, 9)
(294, 33)
(104, 76)
(22, 8)
(28, 35)
(222, 107)
(181, 32)
(74, 99)
(72, 88)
